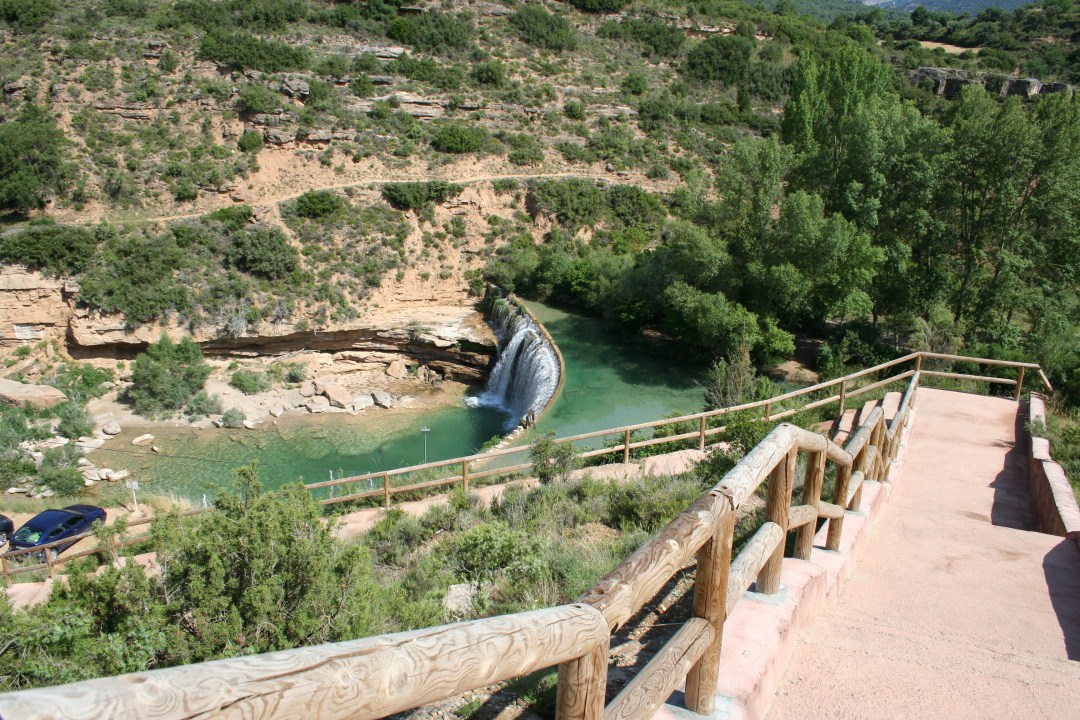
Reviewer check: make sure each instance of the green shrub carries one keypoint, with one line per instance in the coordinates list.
(574, 109)
(658, 36)
(542, 29)
(27, 14)
(244, 51)
(319, 204)
(553, 461)
(720, 57)
(441, 75)
(250, 142)
(264, 252)
(599, 6)
(480, 553)
(249, 382)
(203, 404)
(433, 31)
(635, 84)
(32, 167)
(525, 149)
(233, 418)
(491, 73)
(419, 195)
(458, 139)
(75, 421)
(57, 249)
(573, 202)
(295, 373)
(168, 62)
(635, 207)
(361, 86)
(64, 481)
(234, 218)
(253, 99)
(81, 382)
(166, 376)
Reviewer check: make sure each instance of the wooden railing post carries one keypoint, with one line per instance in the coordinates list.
(843, 395)
(1019, 385)
(768, 411)
(582, 685)
(710, 603)
(860, 464)
(48, 561)
(626, 448)
(880, 438)
(815, 477)
(836, 525)
(701, 433)
(7, 570)
(776, 510)
(918, 362)
(465, 476)
(386, 490)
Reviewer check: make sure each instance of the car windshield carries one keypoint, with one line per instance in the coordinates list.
(28, 534)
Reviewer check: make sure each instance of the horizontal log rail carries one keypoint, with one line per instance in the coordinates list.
(367, 678)
(377, 676)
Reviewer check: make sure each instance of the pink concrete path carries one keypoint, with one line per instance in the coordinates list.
(954, 610)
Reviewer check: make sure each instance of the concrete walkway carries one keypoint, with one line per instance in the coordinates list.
(954, 609)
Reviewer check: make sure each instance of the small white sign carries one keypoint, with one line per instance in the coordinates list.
(132, 484)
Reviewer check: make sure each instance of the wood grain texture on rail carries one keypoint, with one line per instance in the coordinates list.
(359, 679)
(750, 561)
(659, 678)
(623, 591)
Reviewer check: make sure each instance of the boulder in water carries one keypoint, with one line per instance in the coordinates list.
(382, 398)
(143, 439)
(317, 404)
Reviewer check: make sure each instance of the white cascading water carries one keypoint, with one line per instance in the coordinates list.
(526, 374)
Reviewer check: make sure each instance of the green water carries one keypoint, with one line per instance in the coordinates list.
(607, 385)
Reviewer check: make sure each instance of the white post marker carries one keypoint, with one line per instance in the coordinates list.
(425, 430)
(133, 485)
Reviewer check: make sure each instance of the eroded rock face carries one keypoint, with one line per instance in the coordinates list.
(41, 397)
(32, 307)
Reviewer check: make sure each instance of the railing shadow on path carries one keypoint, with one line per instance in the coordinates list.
(1061, 567)
(1012, 506)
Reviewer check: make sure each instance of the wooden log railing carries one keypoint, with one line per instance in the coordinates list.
(377, 676)
(382, 486)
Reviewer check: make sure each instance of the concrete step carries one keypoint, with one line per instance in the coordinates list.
(864, 413)
(891, 404)
(842, 428)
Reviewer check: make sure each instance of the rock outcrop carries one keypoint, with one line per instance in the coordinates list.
(948, 82)
(33, 307)
(41, 397)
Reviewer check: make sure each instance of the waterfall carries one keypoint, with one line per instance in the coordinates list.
(526, 374)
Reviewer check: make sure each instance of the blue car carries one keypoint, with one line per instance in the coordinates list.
(7, 528)
(53, 525)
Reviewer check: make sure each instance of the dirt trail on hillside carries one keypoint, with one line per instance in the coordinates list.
(276, 199)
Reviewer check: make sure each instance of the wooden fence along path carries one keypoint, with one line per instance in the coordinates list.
(377, 676)
(464, 470)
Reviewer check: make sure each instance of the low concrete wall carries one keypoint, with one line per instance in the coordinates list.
(1056, 510)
